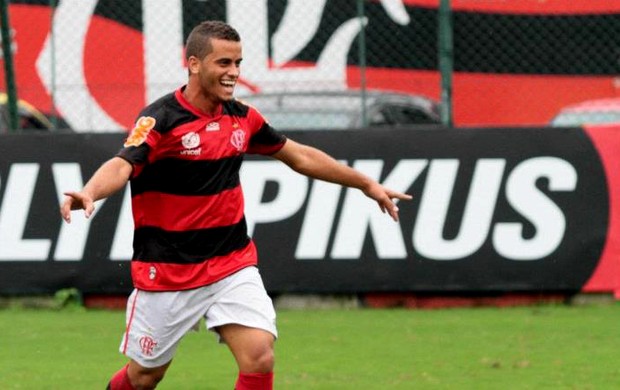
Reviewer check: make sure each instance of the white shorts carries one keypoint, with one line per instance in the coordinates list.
(157, 321)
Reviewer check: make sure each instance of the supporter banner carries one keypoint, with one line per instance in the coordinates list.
(99, 62)
(522, 209)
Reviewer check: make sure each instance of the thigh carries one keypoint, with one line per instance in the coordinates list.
(251, 347)
(157, 321)
(241, 299)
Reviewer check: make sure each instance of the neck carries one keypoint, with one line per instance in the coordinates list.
(199, 100)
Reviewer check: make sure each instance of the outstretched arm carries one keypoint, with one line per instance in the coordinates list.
(317, 164)
(109, 178)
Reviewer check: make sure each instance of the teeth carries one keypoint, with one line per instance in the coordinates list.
(228, 83)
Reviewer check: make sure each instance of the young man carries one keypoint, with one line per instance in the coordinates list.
(192, 256)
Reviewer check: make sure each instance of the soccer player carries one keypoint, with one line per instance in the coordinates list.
(192, 256)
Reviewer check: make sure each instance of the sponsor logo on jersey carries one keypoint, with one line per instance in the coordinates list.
(237, 139)
(190, 142)
(140, 131)
(213, 126)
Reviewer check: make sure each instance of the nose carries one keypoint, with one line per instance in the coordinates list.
(234, 71)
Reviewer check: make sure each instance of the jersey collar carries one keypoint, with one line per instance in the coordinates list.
(189, 107)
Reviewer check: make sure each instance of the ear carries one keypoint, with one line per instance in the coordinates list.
(193, 64)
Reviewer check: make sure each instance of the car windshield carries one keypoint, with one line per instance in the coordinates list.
(298, 112)
(586, 118)
(291, 120)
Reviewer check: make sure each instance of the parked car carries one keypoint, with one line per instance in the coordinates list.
(30, 119)
(341, 110)
(589, 112)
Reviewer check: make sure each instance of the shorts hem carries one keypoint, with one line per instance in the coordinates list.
(146, 363)
(273, 331)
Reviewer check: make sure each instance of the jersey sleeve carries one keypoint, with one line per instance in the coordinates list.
(265, 139)
(142, 139)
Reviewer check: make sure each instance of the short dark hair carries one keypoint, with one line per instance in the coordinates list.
(199, 40)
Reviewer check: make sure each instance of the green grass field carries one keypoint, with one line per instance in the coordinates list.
(535, 347)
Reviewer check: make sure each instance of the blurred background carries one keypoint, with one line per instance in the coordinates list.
(90, 66)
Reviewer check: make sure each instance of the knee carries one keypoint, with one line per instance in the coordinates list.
(142, 378)
(266, 361)
(261, 361)
(146, 381)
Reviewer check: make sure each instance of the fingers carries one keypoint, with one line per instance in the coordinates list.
(393, 211)
(66, 206)
(89, 208)
(76, 201)
(399, 195)
(387, 206)
(65, 212)
(390, 204)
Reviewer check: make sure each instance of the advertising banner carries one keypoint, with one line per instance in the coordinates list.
(522, 209)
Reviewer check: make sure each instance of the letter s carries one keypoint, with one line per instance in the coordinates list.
(547, 218)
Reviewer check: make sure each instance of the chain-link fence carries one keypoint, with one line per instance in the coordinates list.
(92, 65)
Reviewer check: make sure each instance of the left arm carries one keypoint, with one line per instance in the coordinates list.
(317, 164)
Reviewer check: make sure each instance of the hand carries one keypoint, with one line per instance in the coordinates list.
(76, 201)
(386, 199)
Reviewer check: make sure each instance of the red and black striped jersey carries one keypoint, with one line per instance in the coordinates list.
(187, 202)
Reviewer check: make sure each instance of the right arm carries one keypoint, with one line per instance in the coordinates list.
(109, 178)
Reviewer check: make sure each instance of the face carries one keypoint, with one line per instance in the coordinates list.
(218, 72)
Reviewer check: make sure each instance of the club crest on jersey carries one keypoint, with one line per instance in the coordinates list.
(140, 131)
(237, 139)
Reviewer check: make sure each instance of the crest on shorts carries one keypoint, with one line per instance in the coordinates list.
(147, 344)
(140, 131)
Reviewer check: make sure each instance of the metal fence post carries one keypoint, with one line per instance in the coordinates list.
(362, 59)
(446, 61)
(8, 65)
(54, 117)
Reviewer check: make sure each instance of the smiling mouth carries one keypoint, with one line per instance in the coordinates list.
(228, 83)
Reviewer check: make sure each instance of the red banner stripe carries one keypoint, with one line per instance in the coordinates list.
(544, 7)
(606, 276)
